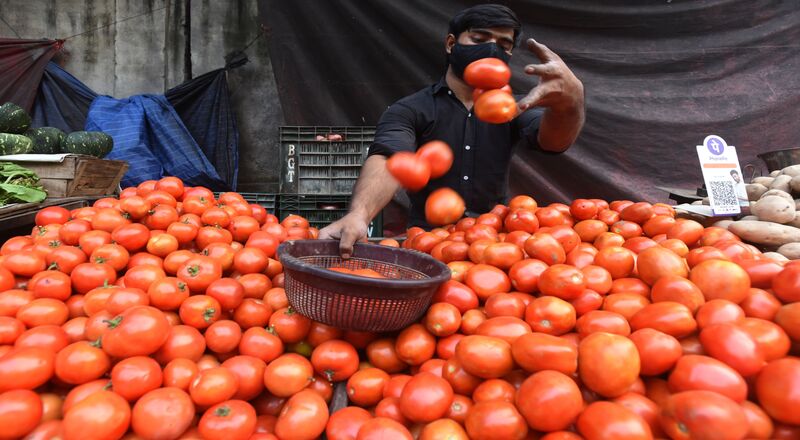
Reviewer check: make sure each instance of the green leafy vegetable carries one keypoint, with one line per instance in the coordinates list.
(19, 184)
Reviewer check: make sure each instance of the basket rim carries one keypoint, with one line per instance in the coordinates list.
(291, 262)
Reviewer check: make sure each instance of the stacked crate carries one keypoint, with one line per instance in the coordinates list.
(320, 166)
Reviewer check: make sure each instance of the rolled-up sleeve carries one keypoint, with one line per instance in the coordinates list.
(395, 131)
(528, 126)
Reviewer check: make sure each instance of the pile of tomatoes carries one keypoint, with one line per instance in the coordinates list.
(162, 315)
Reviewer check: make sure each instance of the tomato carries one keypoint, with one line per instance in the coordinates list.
(670, 317)
(103, 414)
(409, 169)
(167, 293)
(677, 289)
(495, 107)
(415, 345)
(551, 315)
(703, 415)
(487, 73)
(134, 376)
(180, 373)
(443, 429)
(443, 319)
(549, 401)
(489, 420)
(223, 336)
(602, 321)
(485, 356)
(608, 420)
(365, 387)
(383, 428)
(382, 354)
(20, 412)
(721, 280)
(87, 276)
(336, 360)
(461, 381)
(81, 362)
(124, 298)
(43, 311)
(24, 263)
(734, 346)
(656, 262)
(788, 317)
(658, 351)
(345, 423)
(618, 261)
(770, 337)
(786, 284)
(200, 311)
(543, 246)
(260, 343)
(608, 364)
(439, 157)
(761, 426)
(425, 398)
(625, 304)
(505, 304)
(494, 390)
(562, 281)
(227, 291)
(138, 331)
(776, 388)
(521, 219)
(718, 311)
(213, 386)
(444, 206)
(232, 419)
(760, 304)
(507, 328)
(199, 272)
(289, 325)
(693, 372)
(288, 374)
(303, 417)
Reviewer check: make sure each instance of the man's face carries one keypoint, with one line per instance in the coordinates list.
(736, 177)
(502, 36)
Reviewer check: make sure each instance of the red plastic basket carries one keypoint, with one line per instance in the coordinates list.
(359, 303)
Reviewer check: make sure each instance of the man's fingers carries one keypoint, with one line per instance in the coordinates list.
(328, 233)
(541, 51)
(532, 98)
(349, 237)
(547, 69)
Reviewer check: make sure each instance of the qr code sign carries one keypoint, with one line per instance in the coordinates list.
(723, 196)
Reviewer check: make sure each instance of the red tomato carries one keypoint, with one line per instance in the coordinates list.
(138, 331)
(487, 73)
(425, 398)
(608, 363)
(719, 279)
(200, 311)
(288, 374)
(549, 401)
(134, 376)
(485, 356)
(81, 362)
(303, 417)
(199, 272)
(230, 420)
(551, 315)
(602, 321)
(770, 337)
(776, 388)
(539, 351)
(337, 360)
(439, 157)
(656, 262)
(608, 420)
(345, 423)
(410, 170)
(415, 345)
(103, 414)
(670, 317)
(213, 386)
(383, 428)
(490, 420)
(703, 415)
(658, 351)
(693, 372)
(734, 346)
(562, 281)
(786, 284)
(443, 207)
(495, 107)
(20, 412)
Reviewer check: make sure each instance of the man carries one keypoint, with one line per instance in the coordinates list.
(551, 116)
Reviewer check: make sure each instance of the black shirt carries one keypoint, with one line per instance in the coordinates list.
(481, 151)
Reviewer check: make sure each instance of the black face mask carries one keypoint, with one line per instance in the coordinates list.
(463, 54)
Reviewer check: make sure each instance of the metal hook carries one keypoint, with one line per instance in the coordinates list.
(753, 173)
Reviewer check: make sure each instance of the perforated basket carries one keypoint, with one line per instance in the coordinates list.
(354, 302)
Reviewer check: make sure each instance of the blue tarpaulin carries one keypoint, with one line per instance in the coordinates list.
(150, 136)
(62, 101)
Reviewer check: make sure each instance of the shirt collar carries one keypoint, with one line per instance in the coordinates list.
(441, 85)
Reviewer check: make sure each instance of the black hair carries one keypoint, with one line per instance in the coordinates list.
(485, 16)
(734, 172)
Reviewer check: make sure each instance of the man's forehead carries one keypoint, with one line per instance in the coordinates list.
(496, 32)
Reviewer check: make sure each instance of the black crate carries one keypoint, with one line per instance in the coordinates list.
(311, 166)
(322, 210)
(268, 200)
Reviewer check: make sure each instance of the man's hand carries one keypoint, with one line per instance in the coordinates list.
(348, 230)
(558, 87)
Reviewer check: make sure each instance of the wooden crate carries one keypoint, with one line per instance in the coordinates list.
(79, 175)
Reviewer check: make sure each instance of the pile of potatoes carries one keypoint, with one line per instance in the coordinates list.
(774, 220)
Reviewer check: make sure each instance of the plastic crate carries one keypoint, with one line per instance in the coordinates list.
(268, 200)
(311, 166)
(322, 210)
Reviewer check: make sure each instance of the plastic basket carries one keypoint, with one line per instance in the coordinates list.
(358, 303)
(311, 166)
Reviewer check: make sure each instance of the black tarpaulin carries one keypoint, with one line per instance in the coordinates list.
(204, 106)
(62, 101)
(659, 77)
(21, 65)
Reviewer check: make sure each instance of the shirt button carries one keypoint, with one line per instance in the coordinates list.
(467, 147)
(466, 177)
(449, 92)
(469, 115)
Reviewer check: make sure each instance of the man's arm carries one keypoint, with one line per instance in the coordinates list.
(375, 186)
(374, 190)
(561, 94)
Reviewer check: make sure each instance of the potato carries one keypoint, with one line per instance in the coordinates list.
(766, 233)
(749, 217)
(797, 204)
(775, 173)
(777, 192)
(795, 184)
(792, 170)
(763, 180)
(796, 221)
(755, 190)
(782, 183)
(774, 209)
(723, 224)
(790, 251)
(774, 256)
